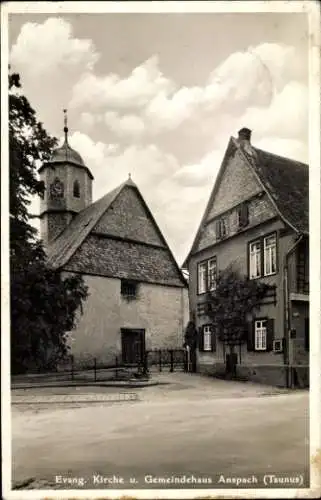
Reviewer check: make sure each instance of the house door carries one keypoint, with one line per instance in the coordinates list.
(133, 345)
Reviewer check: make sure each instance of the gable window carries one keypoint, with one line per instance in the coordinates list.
(207, 275)
(263, 257)
(76, 190)
(221, 228)
(128, 289)
(269, 255)
(243, 215)
(260, 335)
(255, 259)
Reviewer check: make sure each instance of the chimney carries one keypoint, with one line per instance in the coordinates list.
(245, 136)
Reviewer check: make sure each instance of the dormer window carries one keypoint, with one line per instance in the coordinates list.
(76, 190)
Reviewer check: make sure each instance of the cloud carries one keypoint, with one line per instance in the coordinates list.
(286, 117)
(87, 119)
(126, 125)
(136, 90)
(43, 49)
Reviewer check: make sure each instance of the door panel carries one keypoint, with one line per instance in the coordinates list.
(133, 345)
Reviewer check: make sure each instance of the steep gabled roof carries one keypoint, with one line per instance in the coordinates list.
(285, 181)
(65, 246)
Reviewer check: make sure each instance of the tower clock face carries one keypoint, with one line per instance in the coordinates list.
(56, 189)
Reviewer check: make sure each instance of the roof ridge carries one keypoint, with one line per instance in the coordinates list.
(291, 160)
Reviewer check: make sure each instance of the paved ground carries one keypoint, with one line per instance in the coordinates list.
(190, 427)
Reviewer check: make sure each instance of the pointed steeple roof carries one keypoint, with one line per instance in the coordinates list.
(66, 154)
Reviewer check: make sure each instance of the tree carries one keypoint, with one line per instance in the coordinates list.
(43, 304)
(229, 304)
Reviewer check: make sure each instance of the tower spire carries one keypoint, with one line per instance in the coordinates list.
(66, 125)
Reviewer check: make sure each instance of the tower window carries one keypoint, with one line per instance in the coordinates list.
(76, 189)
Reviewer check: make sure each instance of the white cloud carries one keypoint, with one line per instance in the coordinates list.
(135, 91)
(201, 173)
(286, 117)
(43, 49)
(128, 125)
(87, 119)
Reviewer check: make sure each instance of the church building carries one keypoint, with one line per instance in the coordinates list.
(138, 298)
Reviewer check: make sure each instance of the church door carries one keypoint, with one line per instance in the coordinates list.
(133, 345)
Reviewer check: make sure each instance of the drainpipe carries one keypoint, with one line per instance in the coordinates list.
(288, 359)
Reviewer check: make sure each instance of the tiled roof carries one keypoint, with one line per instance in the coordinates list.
(287, 182)
(81, 248)
(125, 259)
(63, 247)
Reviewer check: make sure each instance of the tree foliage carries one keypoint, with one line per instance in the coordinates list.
(229, 305)
(43, 304)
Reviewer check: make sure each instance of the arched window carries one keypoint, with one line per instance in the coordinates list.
(76, 189)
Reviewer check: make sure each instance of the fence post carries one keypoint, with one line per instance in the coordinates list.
(72, 367)
(160, 359)
(95, 370)
(171, 353)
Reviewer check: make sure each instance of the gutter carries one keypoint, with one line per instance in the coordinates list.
(287, 321)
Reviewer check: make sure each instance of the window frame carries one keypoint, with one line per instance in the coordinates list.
(260, 258)
(213, 287)
(242, 212)
(199, 265)
(261, 240)
(264, 344)
(206, 276)
(125, 283)
(207, 332)
(273, 235)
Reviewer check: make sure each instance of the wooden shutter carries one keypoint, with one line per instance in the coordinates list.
(218, 229)
(213, 339)
(269, 334)
(244, 214)
(200, 339)
(250, 335)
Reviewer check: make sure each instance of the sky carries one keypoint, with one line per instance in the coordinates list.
(159, 95)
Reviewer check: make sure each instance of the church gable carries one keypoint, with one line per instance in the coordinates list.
(128, 217)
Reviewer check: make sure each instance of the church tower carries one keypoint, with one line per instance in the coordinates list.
(68, 189)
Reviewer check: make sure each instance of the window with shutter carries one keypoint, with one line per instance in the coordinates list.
(243, 215)
(218, 230)
(260, 335)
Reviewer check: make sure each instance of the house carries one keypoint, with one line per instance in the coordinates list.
(257, 219)
(138, 296)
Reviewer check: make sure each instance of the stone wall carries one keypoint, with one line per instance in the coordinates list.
(162, 311)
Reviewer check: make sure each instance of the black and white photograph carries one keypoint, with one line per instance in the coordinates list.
(160, 249)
